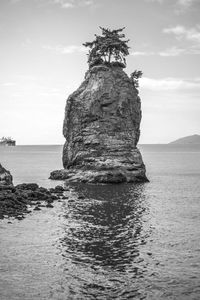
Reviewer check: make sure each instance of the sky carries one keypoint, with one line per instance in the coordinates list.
(42, 61)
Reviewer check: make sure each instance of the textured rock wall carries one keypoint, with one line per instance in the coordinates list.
(5, 176)
(102, 128)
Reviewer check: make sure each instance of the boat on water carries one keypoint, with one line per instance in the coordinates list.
(7, 141)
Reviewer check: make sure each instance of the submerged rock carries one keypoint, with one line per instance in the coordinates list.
(102, 129)
(5, 177)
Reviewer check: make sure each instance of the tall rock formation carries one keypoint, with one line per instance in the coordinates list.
(102, 129)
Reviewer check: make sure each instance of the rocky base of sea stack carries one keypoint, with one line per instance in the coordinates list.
(17, 201)
(104, 177)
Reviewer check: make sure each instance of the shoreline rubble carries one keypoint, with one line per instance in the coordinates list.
(17, 201)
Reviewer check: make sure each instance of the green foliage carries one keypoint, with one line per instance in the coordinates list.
(108, 47)
(135, 78)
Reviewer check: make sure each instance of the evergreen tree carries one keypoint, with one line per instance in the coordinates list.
(135, 77)
(108, 47)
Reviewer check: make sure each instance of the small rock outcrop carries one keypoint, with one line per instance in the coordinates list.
(5, 177)
(17, 201)
(102, 129)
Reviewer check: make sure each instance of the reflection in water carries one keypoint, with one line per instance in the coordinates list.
(101, 246)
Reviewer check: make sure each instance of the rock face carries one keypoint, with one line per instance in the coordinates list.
(5, 177)
(102, 128)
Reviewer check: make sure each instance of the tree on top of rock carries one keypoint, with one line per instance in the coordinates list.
(110, 47)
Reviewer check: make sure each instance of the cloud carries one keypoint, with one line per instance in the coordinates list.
(180, 32)
(170, 52)
(173, 51)
(60, 49)
(8, 84)
(177, 30)
(183, 5)
(186, 3)
(178, 6)
(142, 53)
(169, 84)
(73, 3)
(26, 87)
(159, 1)
(189, 36)
(62, 3)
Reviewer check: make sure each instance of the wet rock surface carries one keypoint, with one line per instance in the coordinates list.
(17, 201)
(102, 129)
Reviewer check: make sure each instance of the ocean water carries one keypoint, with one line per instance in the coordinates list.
(115, 241)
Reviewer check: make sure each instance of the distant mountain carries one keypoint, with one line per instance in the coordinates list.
(191, 139)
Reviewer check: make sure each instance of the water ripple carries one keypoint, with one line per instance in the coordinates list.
(103, 234)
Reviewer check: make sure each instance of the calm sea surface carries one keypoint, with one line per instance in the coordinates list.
(115, 242)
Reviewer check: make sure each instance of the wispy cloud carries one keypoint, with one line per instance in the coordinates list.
(159, 1)
(173, 51)
(169, 84)
(177, 30)
(179, 6)
(142, 53)
(27, 86)
(186, 3)
(181, 32)
(183, 5)
(170, 52)
(61, 49)
(190, 37)
(62, 3)
(8, 84)
(73, 3)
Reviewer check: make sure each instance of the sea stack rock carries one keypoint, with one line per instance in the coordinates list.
(102, 129)
(102, 118)
(5, 177)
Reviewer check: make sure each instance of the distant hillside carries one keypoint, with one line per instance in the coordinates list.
(191, 139)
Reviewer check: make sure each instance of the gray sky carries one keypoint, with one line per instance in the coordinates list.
(42, 61)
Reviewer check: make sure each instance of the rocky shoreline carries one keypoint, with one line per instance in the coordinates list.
(17, 201)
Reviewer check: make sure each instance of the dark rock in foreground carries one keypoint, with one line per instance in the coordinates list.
(102, 129)
(28, 186)
(5, 177)
(14, 200)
